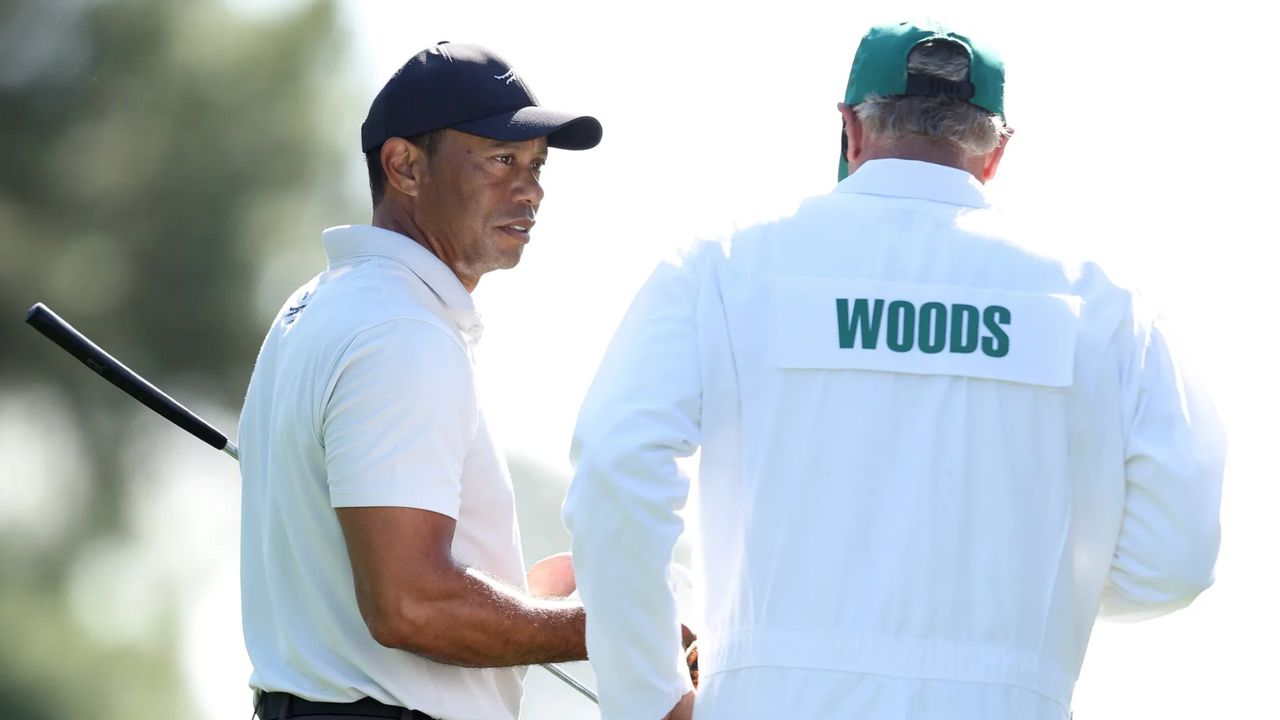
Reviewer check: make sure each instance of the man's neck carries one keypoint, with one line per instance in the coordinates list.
(925, 150)
(390, 217)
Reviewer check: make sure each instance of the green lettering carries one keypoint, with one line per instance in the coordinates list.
(860, 321)
(933, 327)
(993, 317)
(964, 328)
(902, 326)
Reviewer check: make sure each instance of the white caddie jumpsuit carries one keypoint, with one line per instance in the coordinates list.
(931, 457)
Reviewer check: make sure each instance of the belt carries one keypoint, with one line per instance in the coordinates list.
(274, 705)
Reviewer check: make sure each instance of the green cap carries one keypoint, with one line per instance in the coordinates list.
(880, 68)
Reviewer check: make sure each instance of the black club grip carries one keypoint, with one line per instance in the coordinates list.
(100, 361)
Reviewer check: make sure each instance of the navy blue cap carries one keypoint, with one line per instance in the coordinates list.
(472, 89)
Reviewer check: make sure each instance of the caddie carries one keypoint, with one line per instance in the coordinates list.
(932, 453)
(381, 569)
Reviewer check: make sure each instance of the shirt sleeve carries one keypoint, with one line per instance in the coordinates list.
(400, 419)
(1174, 459)
(642, 411)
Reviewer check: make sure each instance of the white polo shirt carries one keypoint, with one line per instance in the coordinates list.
(931, 455)
(364, 395)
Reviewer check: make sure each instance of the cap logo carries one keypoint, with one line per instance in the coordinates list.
(510, 76)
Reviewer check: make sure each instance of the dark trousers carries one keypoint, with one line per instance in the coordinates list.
(278, 706)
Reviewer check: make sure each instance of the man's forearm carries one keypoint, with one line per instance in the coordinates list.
(478, 621)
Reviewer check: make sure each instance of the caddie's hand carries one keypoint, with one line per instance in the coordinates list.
(690, 642)
(552, 577)
(683, 709)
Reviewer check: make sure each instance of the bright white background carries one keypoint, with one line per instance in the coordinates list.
(1145, 138)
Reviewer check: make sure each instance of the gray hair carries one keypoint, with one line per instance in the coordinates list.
(949, 120)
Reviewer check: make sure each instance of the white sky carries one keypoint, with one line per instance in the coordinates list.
(1144, 139)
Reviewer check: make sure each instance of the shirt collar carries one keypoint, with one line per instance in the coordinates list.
(892, 177)
(346, 242)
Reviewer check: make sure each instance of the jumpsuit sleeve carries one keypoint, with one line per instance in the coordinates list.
(1174, 458)
(642, 411)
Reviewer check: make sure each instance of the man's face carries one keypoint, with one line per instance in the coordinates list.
(478, 200)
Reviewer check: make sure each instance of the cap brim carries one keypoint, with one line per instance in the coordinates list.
(562, 130)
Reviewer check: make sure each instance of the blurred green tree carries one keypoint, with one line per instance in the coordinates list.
(155, 156)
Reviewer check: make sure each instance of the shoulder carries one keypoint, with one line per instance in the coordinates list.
(731, 244)
(377, 300)
(414, 345)
(398, 370)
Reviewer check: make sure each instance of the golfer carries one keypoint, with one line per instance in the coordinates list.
(382, 574)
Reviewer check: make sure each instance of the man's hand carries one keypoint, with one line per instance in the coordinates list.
(691, 659)
(552, 577)
(683, 709)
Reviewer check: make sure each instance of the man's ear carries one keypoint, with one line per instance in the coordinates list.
(992, 161)
(852, 134)
(402, 165)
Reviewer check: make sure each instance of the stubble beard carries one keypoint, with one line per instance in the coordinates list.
(499, 253)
